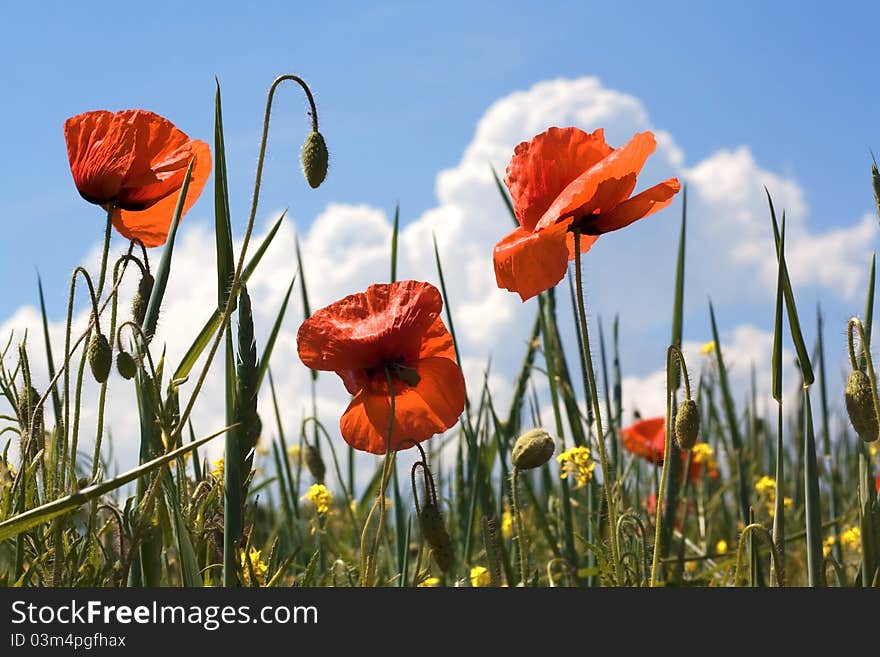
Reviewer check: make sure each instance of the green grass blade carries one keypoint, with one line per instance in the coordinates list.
(678, 301)
(273, 336)
(50, 361)
(812, 507)
(151, 317)
(394, 233)
(203, 339)
(504, 196)
(794, 324)
(222, 220)
(869, 311)
(46, 512)
(777, 325)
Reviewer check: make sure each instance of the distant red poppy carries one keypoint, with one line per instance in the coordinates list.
(647, 439)
(135, 161)
(394, 328)
(565, 177)
(877, 483)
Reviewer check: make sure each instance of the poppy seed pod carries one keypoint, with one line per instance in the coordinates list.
(314, 159)
(141, 299)
(28, 397)
(315, 464)
(436, 536)
(860, 406)
(532, 449)
(687, 424)
(125, 365)
(100, 357)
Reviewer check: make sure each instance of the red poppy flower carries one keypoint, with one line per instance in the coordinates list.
(566, 177)
(391, 329)
(647, 439)
(135, 161)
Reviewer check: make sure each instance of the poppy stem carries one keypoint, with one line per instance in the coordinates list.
(520, 533)
(597, 411)
(107, 231)
(672, 353)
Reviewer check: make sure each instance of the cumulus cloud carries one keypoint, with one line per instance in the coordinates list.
(346, 247)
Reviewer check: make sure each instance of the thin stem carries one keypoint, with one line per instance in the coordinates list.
(520, 533)
(597, 411)
(764, 535)
(239, 269)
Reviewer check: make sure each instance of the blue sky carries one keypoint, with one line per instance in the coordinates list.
(414, 101)
(400, 86)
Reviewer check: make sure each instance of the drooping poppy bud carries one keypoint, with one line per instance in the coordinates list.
(436, 536)
(315, 464)
(687, 424)
(141, 299)
(314, 159)
(532, 449)
(125, 365)
(100, 357)
(860, 406)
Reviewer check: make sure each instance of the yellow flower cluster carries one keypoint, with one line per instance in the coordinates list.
(721, 547)
(218, 469)
(827, 544)
(260, 569)
(851, 539)
(320, 497)
(429, 582)
(293, 453)
(577, 463)
(507, 524)
(708, 348)
(766, 487)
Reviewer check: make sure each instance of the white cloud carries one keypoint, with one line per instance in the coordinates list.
(346, 247)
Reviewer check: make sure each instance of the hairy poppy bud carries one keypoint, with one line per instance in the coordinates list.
(687, 424)
(28, 397)
(314, 159)
(315, 464)
(100, 357)
(125, 365)
(436, 536)
(860, 406)
(532, 449)
(141, 299)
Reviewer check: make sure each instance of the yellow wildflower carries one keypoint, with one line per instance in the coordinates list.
(430, 582)
(293, 453)
(218, 470)
(507, 524)
(721, 547)
(260, 569)
(480, 576)
(320, 497)
(852, 539)
(872, 448)
(827, 545)
(690, 566)
(577, 463)
(766, 486)
(707, 348)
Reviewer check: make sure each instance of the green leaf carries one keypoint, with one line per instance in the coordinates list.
(504, 196)
(161, 281)
(869, 311)
(203, 339)
(56, 401)
(777, 325)
(222, 221)
(307, 309)
(794, 324)
(273, 336)
(812, 508)
(394, 233)
(29, 519)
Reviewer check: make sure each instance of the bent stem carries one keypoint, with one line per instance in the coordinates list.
(590, 384)
(856, 322)
(765, 536)
(672, 352)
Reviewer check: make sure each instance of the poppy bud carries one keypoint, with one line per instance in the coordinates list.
(875, 181)
(532, 449)
(436, 536)
(100, 357)
(687, 424)
(28, 397)
(125, 365)
(141, 299)
(315, 463)
(314, 159)
(860, 406)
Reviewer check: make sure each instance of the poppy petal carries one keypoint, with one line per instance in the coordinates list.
(430, 407)
(530, 263)
(100, 149)
(646, 438)
(542, 167)
(641, 205)
(151, 226)
(384, 324)
(437, 342)
(581, 194)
